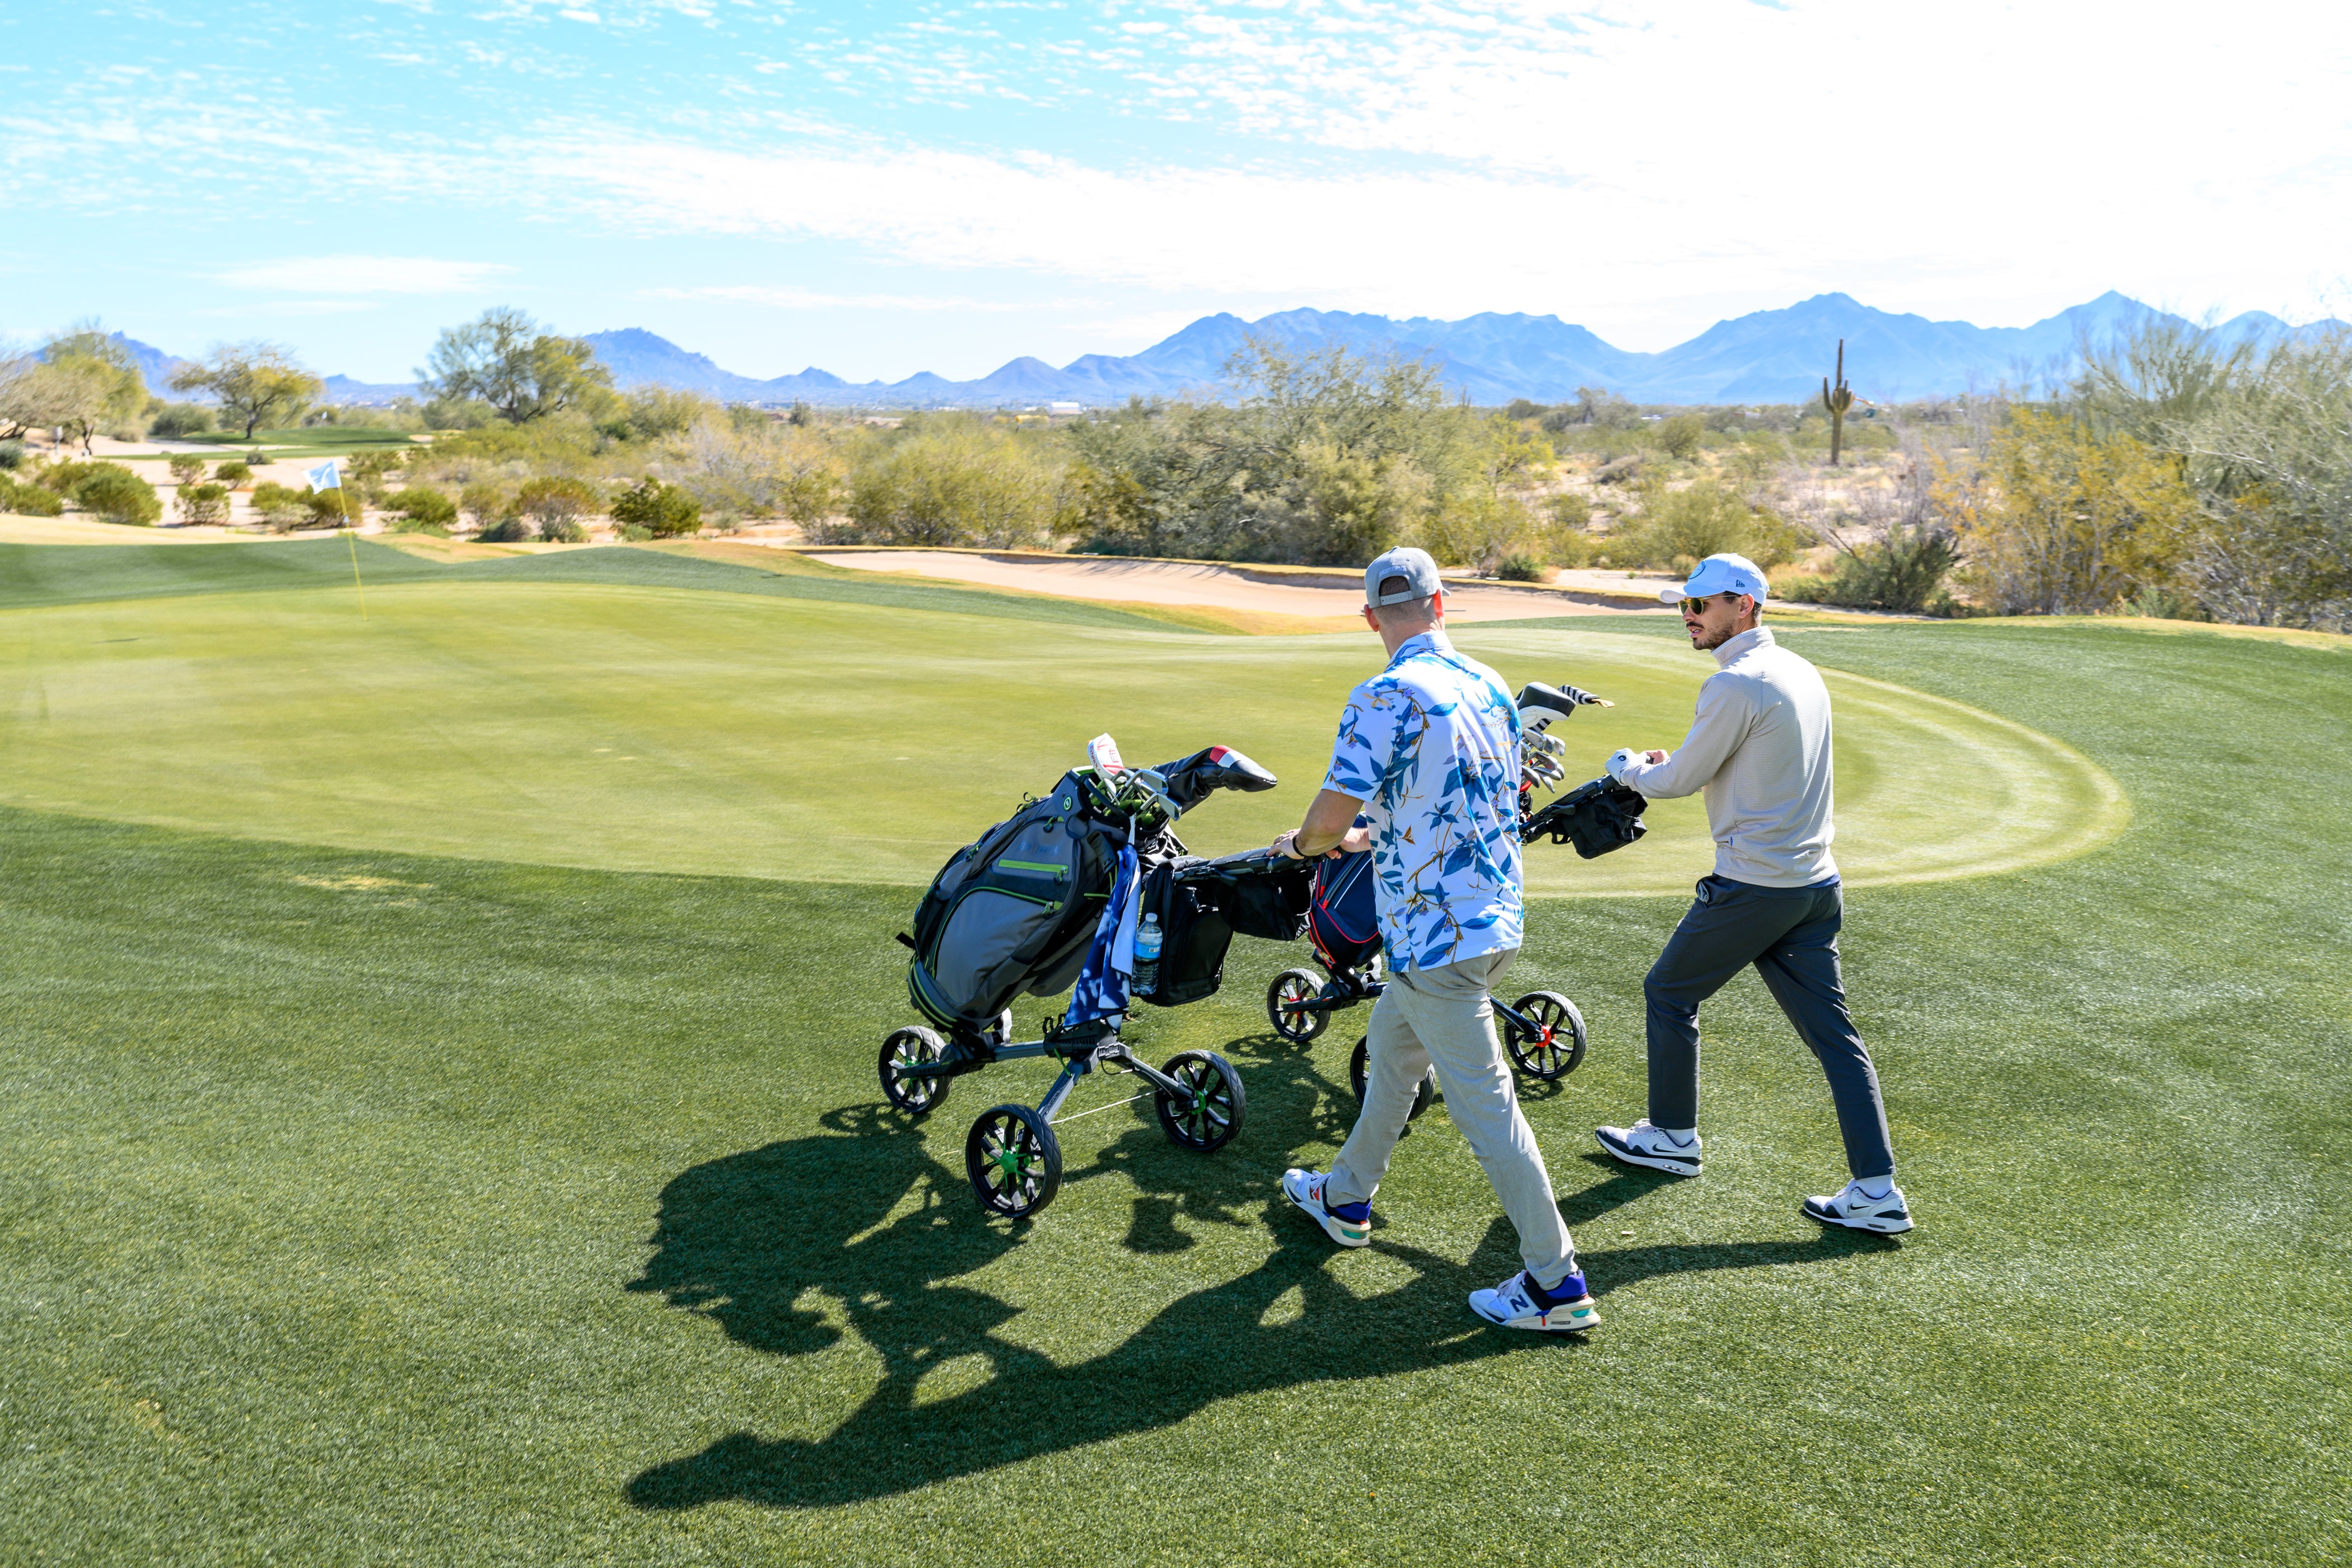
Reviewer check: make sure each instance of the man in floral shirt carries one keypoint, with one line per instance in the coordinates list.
(1428, 755)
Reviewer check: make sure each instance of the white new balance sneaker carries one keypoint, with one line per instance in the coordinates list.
(1351, 1225)
(1652, 1147)
(1516, 1303)
(1886, 1215)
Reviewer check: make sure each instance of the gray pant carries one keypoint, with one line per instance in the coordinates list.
(1790, 934)
(1443, 1015)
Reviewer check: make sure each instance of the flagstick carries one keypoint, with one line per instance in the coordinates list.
(351, 537)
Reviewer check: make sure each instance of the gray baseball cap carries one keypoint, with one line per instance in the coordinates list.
(1415, 566)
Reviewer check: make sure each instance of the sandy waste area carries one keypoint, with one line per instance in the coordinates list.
(1113, 580)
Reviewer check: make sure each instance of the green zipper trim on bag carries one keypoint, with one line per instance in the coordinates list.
(1053, 871)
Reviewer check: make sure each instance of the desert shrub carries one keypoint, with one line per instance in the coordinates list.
(1520, 567)
(28, 501)
(1699, 521)
(422, 509)
(234, 473)
(2164, 605)
(280, 507)
(334, 508)
(507, 530)
(663, 511)
(487, 502)
(60, 478)
(2060, 519)
(176, 420)
(1475, 529)
(186, 468)
(203, 504)
(1681, 435)
(555, 506)
(1618, 471)
(1904, 572)
(117, 495)
(12, 454)
(1523, 408)
(955, 481)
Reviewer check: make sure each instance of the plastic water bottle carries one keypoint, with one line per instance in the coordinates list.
(1146, 956)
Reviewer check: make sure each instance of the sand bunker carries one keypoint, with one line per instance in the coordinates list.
(1113, 580)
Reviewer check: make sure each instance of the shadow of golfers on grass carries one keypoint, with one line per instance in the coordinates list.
(792, 1247)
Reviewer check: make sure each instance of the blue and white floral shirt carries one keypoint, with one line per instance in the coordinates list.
(1431, 746)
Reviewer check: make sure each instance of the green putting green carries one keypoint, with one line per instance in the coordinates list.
(363, 1204)
(647, 729)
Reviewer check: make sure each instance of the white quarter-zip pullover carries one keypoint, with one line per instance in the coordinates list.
(1760, 749)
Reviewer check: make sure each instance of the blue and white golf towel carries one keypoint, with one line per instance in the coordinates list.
(1102, 985)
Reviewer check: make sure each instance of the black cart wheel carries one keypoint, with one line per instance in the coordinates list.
(1291, 987)
(1360, 1073)
(1206, 1116)
(1557, 1044)
(1013, 1159)
(912, 1047)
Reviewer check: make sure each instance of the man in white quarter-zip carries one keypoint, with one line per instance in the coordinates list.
(1760, 749)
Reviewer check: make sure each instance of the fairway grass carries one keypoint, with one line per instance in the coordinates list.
(642, 728)
(364, 1204)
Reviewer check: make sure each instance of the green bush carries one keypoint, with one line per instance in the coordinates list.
(1681, 435)
(507, 530)
(1520, 567)
(663, 511)
(187, 468)
(117, 495)
(28, 501)
(1903, 572)
(555, 506)
(486, 501)
(12, 454)
(1680, 526)
(203, 504)
(334, 509)
(283, 508)
(424, 509)
(176, 420)
(234, 473)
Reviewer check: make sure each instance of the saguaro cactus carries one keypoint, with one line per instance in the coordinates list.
(1837, 402)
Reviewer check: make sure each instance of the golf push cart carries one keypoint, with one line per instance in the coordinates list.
(1543, 1032)
(1056, 895)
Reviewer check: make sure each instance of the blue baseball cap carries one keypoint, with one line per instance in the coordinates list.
(1720, 574)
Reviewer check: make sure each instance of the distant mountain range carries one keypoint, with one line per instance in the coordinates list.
(1768, 356)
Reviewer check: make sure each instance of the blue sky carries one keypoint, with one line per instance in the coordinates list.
(885, 188)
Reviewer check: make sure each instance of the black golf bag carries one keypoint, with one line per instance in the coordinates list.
(1013, 912)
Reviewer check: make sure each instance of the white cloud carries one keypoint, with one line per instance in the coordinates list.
(365, 274)
(1647, 264)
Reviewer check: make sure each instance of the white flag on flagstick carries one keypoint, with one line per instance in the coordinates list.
(323, 476)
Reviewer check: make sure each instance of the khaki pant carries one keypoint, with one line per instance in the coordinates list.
(1443, 1015)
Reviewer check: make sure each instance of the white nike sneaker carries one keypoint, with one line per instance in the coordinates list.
(1305, 1190)
(1652, 1147)
(1514, 1304)
(1857, 1210)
